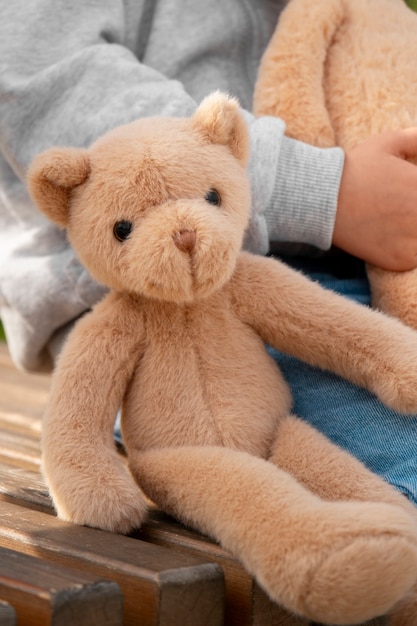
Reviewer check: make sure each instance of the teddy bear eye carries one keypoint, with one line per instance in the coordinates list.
(122, 230)
(213, 197)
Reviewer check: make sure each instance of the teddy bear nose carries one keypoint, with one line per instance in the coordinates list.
(185, 240)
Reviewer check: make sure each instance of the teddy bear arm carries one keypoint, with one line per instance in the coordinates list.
(291, 73)
(87, 480)
(299, 317)
(394, 293)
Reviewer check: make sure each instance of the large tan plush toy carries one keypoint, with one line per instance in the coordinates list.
(157, 211)
(338, 71)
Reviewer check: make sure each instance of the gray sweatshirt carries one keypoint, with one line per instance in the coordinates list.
(71, 70)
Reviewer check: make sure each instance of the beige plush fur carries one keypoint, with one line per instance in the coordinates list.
(338, 71)
(179, 344)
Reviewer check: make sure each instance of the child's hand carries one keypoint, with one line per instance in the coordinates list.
(377, 212)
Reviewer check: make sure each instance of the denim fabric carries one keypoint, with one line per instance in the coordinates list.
(351, 417)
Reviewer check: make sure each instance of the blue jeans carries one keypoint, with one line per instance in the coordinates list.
(385, 441)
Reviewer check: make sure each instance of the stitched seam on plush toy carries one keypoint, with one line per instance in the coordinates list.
(202, 379)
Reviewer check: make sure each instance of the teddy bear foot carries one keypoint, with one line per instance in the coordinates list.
(363, 564)
(361, 581)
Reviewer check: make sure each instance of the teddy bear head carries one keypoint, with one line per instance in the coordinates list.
(157, 207)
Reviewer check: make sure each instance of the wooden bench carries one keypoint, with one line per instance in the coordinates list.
(164, 574)
(41, 592)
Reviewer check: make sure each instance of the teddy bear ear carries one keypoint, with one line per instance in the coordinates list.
(52, 176)
(220, 120)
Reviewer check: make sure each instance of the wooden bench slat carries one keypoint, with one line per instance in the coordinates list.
(7, 614)
(21, 392)
(44, 593)
(19, 450)
(160, 587)
(13, 382)
(16, 422)
(25, 488)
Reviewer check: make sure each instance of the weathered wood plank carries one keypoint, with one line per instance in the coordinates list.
(43, 593)
(7, 614)
(21, 393)
(25, 488)
(19, 450)
(160, 587)
(17, 422)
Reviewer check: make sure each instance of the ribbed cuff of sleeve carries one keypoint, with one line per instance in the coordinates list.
(303, 202)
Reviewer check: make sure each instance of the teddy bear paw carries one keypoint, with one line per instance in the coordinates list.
(115, 512)
(399, 393)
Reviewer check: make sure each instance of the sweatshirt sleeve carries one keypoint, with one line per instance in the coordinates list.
(68, 75)
(298, 204)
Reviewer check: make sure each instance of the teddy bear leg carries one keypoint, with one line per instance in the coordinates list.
(325, 473)
(332, 562)
(327, 470)
(395, 293)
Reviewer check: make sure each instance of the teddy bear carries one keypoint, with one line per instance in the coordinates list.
(157, 211)
(336, 72)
